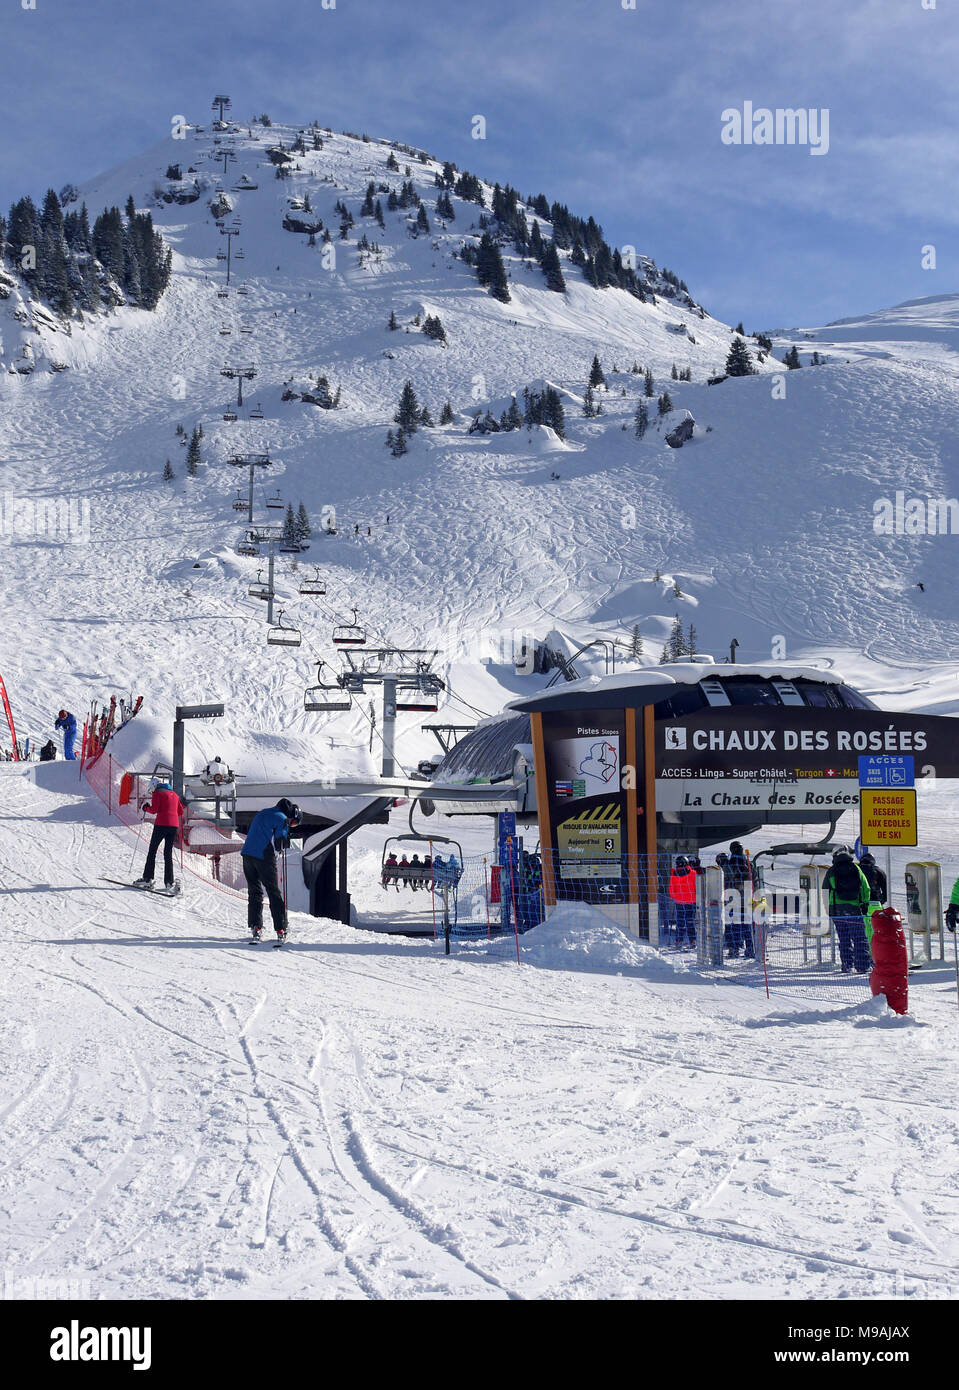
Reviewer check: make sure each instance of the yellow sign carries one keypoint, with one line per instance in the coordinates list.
(888, 817)
(590, 844)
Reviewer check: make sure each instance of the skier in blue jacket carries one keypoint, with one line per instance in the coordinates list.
(268, 832)
(68, 723)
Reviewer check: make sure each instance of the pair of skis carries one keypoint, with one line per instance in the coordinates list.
(173, 892)
(255, 941)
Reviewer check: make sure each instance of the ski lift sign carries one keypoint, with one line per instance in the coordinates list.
(887, 801)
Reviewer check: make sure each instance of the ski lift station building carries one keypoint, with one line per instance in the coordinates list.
(627, 767)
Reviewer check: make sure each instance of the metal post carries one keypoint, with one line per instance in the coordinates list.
(252, 472)
(178, 756)
(269, 604)
(389, 724)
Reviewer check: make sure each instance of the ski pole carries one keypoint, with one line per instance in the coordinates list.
(955, 951)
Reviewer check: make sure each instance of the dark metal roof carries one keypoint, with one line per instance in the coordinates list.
(487, 752)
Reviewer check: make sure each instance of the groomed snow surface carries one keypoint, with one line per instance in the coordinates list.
(358, 1116)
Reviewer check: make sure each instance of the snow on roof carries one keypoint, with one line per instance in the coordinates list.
(671, 674)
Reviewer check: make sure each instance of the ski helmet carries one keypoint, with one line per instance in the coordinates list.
(289, 809)
(62, 714)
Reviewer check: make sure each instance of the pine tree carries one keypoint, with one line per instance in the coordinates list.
(553, 414)
(168, 473)
(390, 439)
(193, 454)
(422, 221)
(677, 640)
(490, 269)
(289, 536)
(408, 411)
(446, 414)
(392, 323)
(665, 403)
(589, 404)
(740, 329)
(596, 377)
(641, 419)
(399, 444)
(379, 213)
(675, 373)
(739, 362)
(691, 641)
(649, 387)
(552, 268)
(636, 644)
(303, 528)
(514, 416)
(426, 419)
(792, 359)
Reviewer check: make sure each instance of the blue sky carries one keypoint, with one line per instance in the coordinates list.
(616, 112)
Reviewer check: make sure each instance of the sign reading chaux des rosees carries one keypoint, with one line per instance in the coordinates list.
(737, 758)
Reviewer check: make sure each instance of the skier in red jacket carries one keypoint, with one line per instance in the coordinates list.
(682, 890)
(168, 809)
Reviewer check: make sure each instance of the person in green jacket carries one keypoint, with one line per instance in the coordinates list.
(878, 890)
(952, 911)
(849, 895)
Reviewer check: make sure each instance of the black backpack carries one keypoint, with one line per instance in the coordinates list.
(845, 877)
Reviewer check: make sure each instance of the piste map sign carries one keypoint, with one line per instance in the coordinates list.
(584, 773)
(736, 757)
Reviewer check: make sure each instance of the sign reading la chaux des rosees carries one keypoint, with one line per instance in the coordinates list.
(738, 757)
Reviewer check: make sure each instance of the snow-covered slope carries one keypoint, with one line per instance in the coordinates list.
(763, 520)
(187, 1117)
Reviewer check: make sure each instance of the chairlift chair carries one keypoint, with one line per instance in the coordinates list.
(325, 697)
(247, 548)
(275, 500)
(257, 412)
(239, 255)
(281, 636)
(315, 586)
(223, 294)
(422, 697)
(259, 589)
(229, 415)
(430, 841)
(242, 289)
(221, 255)
(224, 331)
(245, 328)
(241, 504)
(349, 634)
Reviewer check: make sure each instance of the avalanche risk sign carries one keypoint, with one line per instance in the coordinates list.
(887, 816)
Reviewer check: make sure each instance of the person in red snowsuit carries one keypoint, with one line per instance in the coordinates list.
(890, 974)
(682, 890)
(168, 809)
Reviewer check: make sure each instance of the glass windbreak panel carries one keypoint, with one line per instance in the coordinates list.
(750, 692)
(686, 699)
(819, 695)
(853, 699)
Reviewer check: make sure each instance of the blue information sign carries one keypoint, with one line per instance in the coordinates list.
(887, 770)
